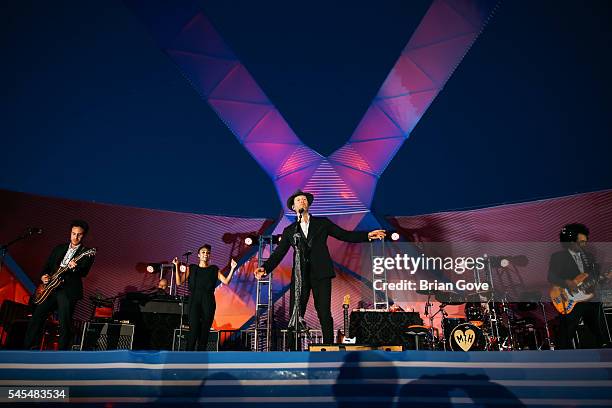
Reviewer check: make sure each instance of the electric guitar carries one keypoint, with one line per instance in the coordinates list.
(565, 299)
(342, 334)
(44, 290)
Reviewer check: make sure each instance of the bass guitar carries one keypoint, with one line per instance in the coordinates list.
(565, 299)
(44, 290)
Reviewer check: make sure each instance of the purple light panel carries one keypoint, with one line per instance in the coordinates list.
(345, 181)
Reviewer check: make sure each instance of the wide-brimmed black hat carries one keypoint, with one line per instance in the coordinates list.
(309, 197)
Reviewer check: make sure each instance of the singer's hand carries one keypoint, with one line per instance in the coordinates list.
(377, 234)
(45, 279)
(260, 272)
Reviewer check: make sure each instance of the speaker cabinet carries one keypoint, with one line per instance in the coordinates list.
(107, 336)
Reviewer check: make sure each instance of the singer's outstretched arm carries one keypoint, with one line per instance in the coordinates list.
(276, 256)
(179, 280)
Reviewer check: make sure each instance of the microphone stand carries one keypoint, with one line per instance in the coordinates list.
(180, 335)
(4, 248)
(296, 315)
(182, 302)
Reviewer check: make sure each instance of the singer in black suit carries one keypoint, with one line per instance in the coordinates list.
(317, 267)
(563, 268)
(64, 298)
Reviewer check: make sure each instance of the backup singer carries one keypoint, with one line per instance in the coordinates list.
(202, 280)
(64, 298)
(316, 266)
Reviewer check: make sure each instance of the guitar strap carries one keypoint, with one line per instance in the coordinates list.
(586, 263)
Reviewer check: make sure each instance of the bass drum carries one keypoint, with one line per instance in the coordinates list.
(467, 337)
(449, 323)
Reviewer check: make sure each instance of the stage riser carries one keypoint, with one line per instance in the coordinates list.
(371, 378)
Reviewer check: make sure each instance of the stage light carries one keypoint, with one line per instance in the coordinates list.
(251, 239)
(277, 239)
(507, 261)
(183, 268)
(153, 267)
(395, 236)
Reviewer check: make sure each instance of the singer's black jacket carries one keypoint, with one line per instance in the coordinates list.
(315, 246)
(562, 267)
(73, 284)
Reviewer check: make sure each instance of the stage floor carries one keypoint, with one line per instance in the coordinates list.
(324, 379)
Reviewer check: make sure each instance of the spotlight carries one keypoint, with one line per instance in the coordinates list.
(395, 236)
(276, 239)
(183, 268)
(506, 261)
(250, 240)
(153, 267)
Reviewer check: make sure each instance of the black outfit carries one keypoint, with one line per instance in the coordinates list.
(317, 267)
(202, 305)
(159, 293)
(562, 267)
(63, 299)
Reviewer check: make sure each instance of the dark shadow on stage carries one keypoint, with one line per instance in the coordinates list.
(439, 390)
(348, 391)
(211, 386)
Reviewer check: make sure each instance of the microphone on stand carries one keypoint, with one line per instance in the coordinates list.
(187, 253)
(296, 234)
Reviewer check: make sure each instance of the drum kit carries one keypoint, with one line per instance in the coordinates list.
(488, 324)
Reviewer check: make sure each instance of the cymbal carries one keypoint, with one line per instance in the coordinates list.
(478, 295)
(450, 298)
(426, 291)
(453, 303)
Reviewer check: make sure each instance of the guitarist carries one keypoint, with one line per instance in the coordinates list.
(64, 298)
(563, 268)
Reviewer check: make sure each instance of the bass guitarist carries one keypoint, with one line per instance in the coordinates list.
(564, 267)
(63, 298)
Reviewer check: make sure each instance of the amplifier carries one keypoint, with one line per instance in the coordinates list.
(107, 336)
(213, 340)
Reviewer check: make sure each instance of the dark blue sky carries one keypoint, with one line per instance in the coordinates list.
(92, 110)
